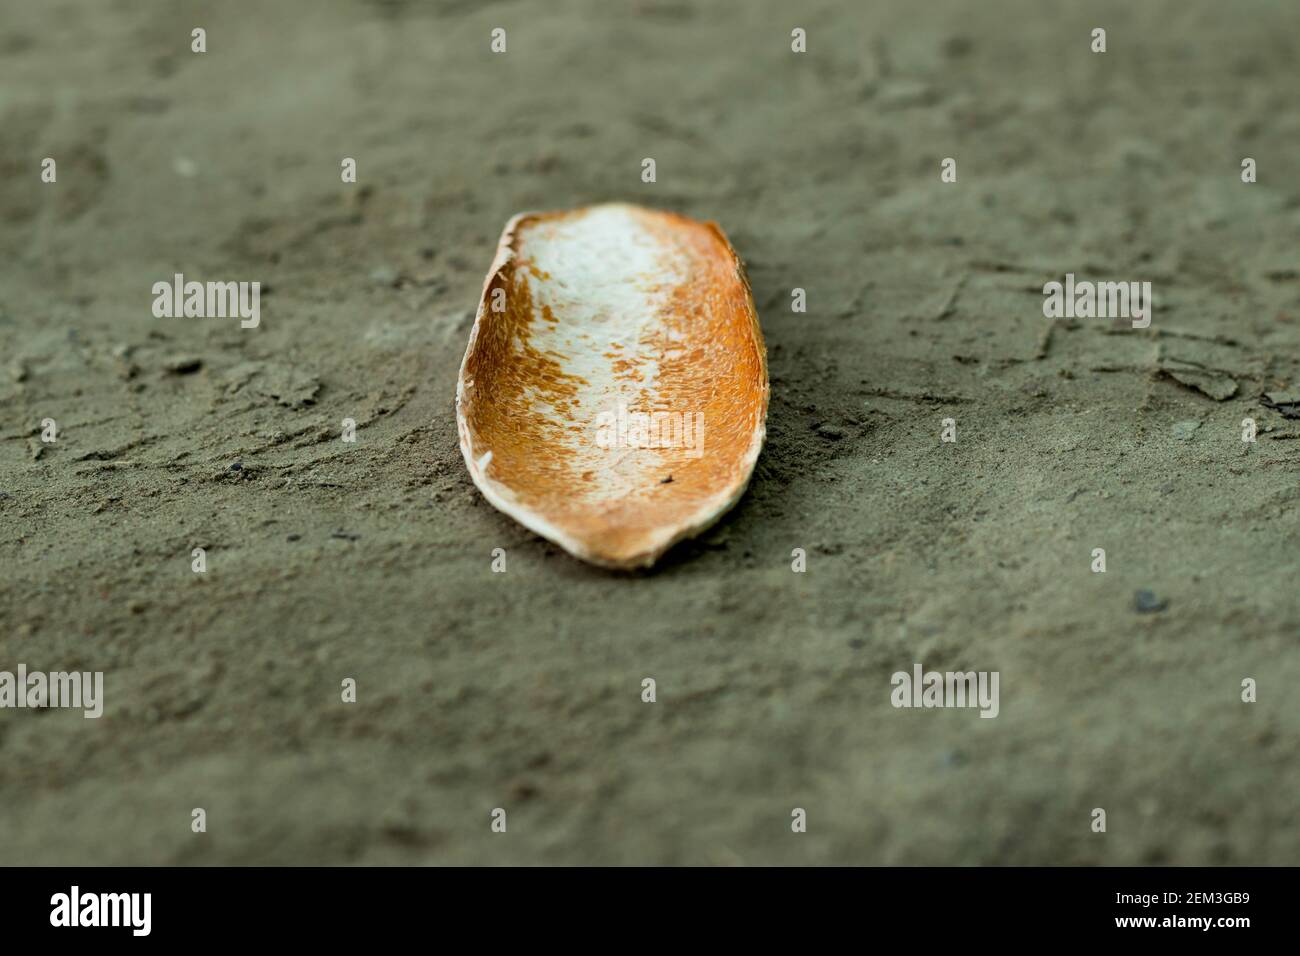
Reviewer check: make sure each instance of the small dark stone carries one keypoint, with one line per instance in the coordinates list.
(831, 432)
(1146, 602)
(237, 466)
(667, 481)
(183, 364)
(295, 537)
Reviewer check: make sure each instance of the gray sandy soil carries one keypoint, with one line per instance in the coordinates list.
(522, 690)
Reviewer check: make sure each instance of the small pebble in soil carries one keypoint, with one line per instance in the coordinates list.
(1146, 602)
(182, 364)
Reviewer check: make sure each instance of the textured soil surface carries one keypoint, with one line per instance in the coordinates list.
(373, 561)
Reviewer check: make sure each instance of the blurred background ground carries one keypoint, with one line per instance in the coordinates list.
(372, 561)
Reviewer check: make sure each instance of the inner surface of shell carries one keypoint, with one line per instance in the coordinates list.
(614, 392)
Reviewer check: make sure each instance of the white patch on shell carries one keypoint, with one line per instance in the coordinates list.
(613, 280)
